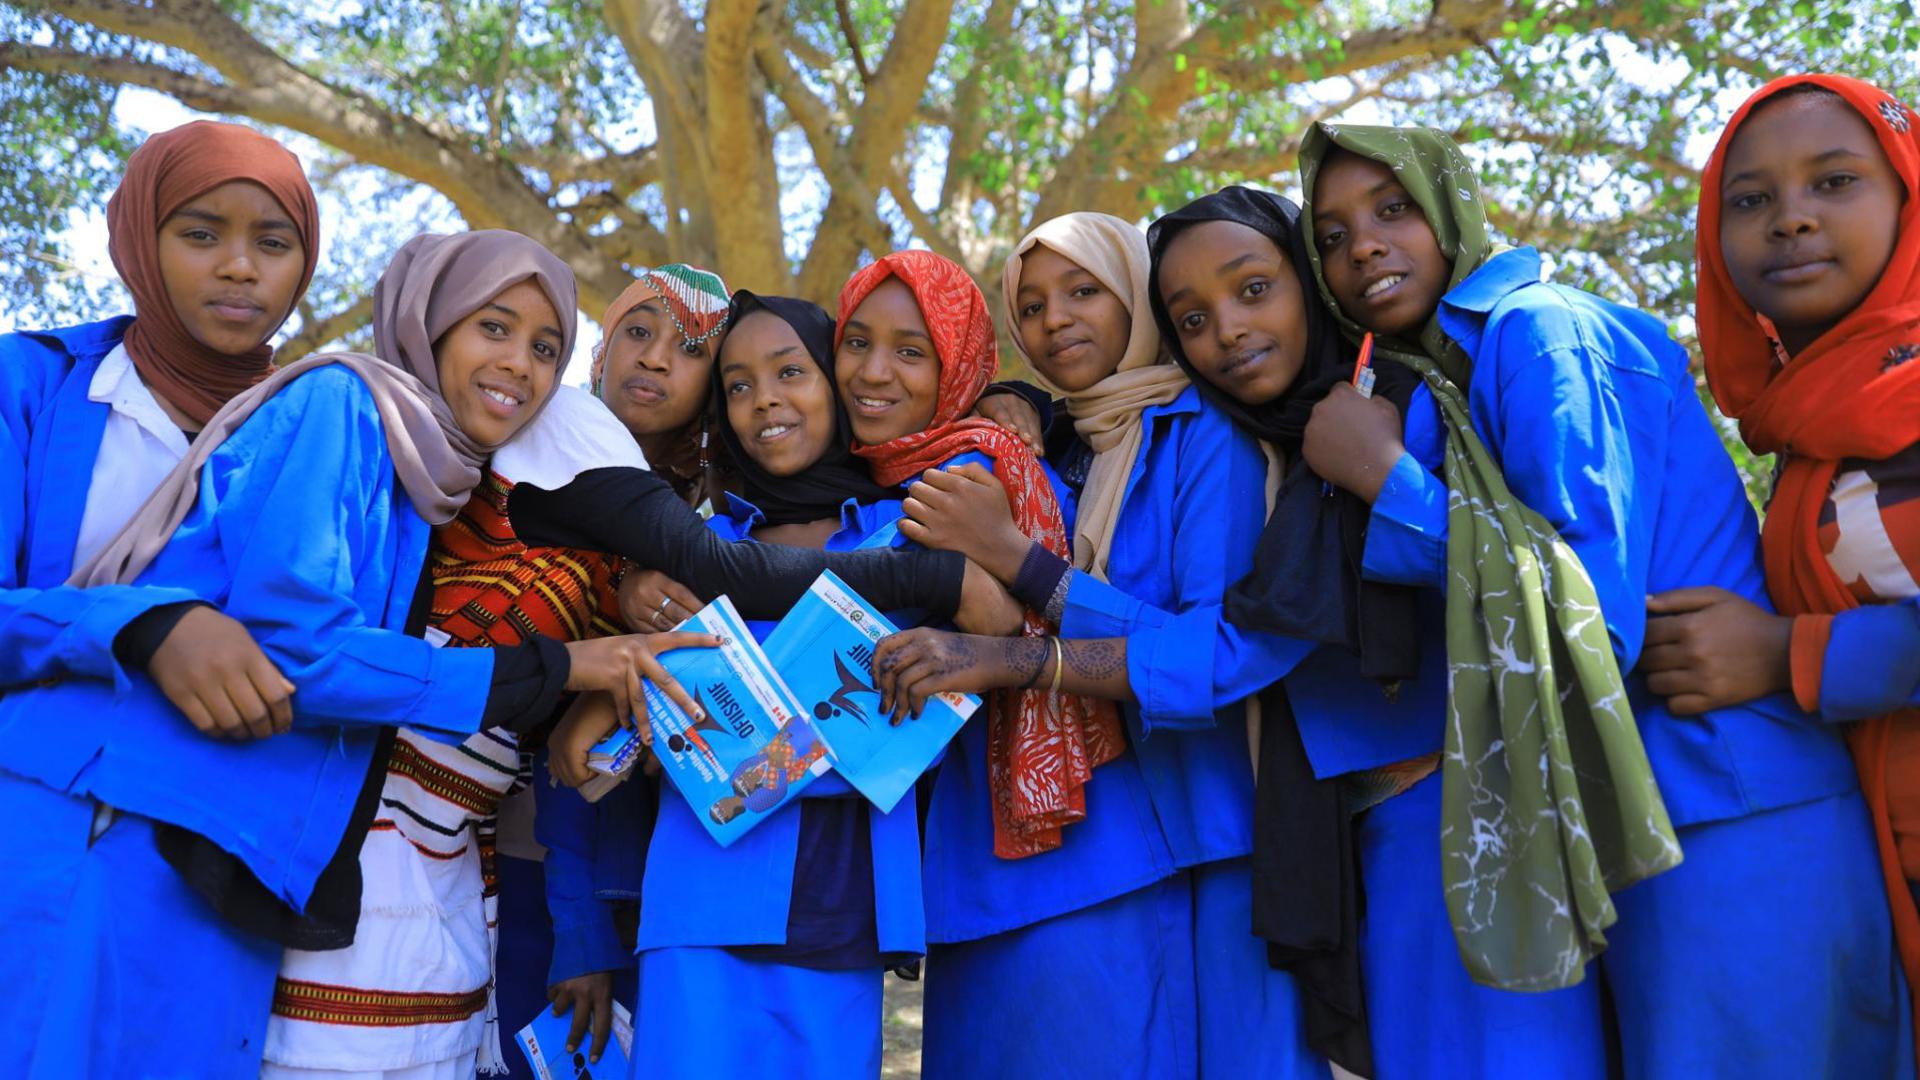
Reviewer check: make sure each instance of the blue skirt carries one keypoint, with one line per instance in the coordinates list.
(131, 973)
(706, 1013)
(1165, 981)
(1428, 1018)
(1768, 952)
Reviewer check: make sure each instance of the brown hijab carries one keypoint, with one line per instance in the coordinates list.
(168, 171)
(432, 283)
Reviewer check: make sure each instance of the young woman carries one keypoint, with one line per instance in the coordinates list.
(167, 870)
(1809, 244)
(1169, 511)
(1572, 443)
(654, 369)
(795, 923)
(215, 233)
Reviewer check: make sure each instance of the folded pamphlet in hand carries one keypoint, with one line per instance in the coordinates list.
(824, 649)
(751, 750)
(544, 1041)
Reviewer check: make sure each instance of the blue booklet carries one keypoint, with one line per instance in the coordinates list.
(824, 648)
(544, 1041)
(751, 753)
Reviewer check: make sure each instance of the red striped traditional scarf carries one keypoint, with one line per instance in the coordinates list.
(1041, 748)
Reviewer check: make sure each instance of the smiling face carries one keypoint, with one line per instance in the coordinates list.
(778, 401)
(1073, 328)
(231, 261)
(497, 364)
(888, 372)
(1810, 212)
(1237, 308)
(648, 373)
(1382, 263)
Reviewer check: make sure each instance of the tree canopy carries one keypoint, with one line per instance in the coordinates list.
(778, 140)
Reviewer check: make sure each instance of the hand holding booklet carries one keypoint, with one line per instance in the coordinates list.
(777, 716)
(824, 648)
(544, 1041)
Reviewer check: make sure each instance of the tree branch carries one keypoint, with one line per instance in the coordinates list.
(487, 191)
(190, 90)
(879, 133)
(317, 332)
(497, 99)
(853, 41)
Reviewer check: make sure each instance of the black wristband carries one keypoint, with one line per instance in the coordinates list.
(137, 641)
(1040, 574)
(527, 682)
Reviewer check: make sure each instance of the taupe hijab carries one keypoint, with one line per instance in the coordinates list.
(432, 283)
(1106, 414)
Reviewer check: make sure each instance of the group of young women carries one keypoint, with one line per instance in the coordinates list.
(1384, 670)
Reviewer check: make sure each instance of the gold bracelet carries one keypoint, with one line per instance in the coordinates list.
(1058, 662)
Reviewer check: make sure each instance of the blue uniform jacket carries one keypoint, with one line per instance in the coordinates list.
(1872, 662)
(303, 534)
(51, 439)
(697, 893)
(593, 856)
(1591, 410)
(1182, 794)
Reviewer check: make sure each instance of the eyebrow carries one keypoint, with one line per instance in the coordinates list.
(1817, 159)
(197, 214)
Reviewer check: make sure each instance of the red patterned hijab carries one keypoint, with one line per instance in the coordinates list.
(1853, 393)
(1042, 748)
(170, 170)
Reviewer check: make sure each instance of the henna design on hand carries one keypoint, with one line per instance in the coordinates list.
(1026, 660)
(1095, 659)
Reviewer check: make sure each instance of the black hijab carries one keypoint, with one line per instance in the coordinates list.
(1305, 583)
(1311, 538)
(820, 490)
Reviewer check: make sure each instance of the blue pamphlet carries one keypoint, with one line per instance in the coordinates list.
(750, 753)
(544, 1041)
(824, 649)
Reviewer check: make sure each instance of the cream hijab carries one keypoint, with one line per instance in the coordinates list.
(432, 283)
(1106, 414)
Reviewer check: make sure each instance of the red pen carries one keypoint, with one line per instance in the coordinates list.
(1363, 368)
(1363, 382)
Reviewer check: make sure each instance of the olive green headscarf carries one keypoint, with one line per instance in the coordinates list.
(1549, 803)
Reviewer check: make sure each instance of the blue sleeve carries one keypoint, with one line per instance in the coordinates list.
(1583, 442)
(306, 512)
(1186, 663)
(55, 632)
(584, 939)
(1871, 662)
(1407, 531)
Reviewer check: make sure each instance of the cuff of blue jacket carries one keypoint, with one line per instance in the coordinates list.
(1407, 532)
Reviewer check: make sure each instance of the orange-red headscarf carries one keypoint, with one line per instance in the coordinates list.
(1041, 748)
(168, 171)
(1851, 394)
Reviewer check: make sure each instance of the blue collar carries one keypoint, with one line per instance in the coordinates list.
(1495, 280)
(747, 517)
(1187, 401)
(1466, 307)
(87, 341)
